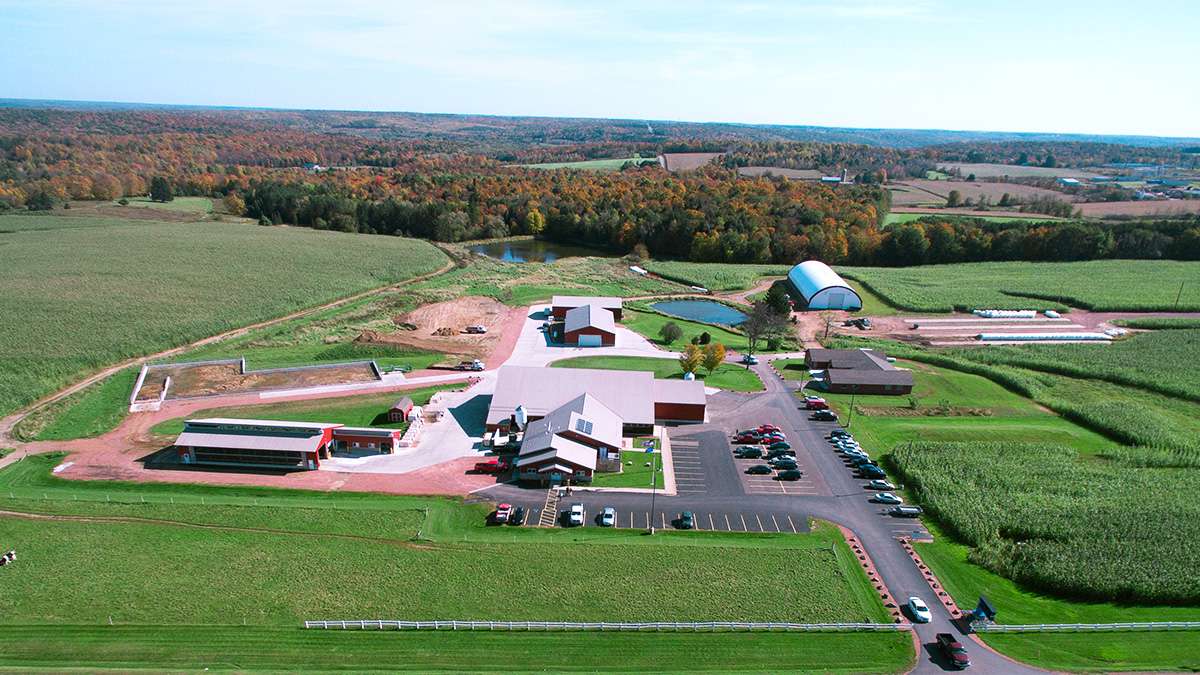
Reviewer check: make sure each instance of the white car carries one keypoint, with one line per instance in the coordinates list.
(880, 485)
(919, 610)
(608, 517)
(575, 515)
(853, 452)
(887, 498)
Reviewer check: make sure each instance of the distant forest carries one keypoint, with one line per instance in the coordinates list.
(452, 178)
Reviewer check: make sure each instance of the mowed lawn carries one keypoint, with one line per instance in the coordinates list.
(726, 376)
(649, 324)
(273, 558)
(183, 204)
(90, 296)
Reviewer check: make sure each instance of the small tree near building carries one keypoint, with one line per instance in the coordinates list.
(690, 359)
(714, 356)
(670, 332)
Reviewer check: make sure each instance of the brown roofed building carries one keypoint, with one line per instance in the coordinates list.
(561, 304)
(401, 410)
(859, 371)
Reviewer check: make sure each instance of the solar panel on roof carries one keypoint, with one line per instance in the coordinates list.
(583, 426)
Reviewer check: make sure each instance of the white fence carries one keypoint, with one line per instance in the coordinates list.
(691, 626)
(1086, 627)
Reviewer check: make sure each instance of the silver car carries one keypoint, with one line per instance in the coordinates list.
(608, 517)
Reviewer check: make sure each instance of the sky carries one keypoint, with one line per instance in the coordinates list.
(1048, 66)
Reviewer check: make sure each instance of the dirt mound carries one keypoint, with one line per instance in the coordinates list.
(441, 327)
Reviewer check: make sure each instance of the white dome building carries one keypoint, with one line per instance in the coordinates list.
(821, 287)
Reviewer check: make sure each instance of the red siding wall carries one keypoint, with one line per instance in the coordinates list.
(607, 339)
(687, 412)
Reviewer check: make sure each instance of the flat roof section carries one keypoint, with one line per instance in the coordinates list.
(200, 439)
(579, 300)
(232, 421)
(629, 393)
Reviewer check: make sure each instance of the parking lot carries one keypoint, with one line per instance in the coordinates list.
(688, 464)
(666, 516)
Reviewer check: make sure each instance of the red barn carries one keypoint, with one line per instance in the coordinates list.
(590, 326)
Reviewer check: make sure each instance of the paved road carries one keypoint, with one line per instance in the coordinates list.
(713, 486)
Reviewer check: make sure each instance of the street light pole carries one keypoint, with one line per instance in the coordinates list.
(850, 418)
(653, 488)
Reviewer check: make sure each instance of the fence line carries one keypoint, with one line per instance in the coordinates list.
(690, 626)
(1086, 627)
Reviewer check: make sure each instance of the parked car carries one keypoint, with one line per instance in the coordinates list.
(750, 359)
(790, 474)
(818, 404)
(811, 397)
(476, 329)
(503, 511)
(905, 511)
(918, 610)
(785, 462)
(518, 517)
(748, 452)
(880, 485)
(687, 520)
(759, 470)
(871, 471)
(887, 498)
(768, 428)
(859, 460)
(769, 439)
(780, 445)
(491, 465)
(575, 515)
(474, 364)
(747, 437)
(781, 452)
(608, 517)
(955, 653)
(839, 433)
(825, 416)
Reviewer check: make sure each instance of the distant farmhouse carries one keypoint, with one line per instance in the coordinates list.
(821, 288)
(858, 371)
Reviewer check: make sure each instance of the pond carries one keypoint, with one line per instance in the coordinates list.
(533, 250)
(706, 311)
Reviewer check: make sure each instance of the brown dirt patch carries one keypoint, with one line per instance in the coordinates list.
(225, 378)
(686, 161)
(1148, 207)
(440, 327)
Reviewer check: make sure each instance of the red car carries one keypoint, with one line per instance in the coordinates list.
(815, 404)
(955, 653)
(768, 428)
(502, 513)
(492, 465)
(747, 437)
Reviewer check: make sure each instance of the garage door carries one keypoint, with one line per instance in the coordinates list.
(589, 341)
(837, 300)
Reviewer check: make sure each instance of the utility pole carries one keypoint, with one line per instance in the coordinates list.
(1178, 296)
(850, 418)
(653, 483)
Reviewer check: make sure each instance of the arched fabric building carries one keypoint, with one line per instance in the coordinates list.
(821, 287)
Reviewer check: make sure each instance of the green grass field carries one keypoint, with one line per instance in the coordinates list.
(256, 648)
(715, 276)
(96, 409)
(520, 284)
(369, 410)
(1159, 323)
(146, 286)
(1128, 285)
(649, 323)
(726, 376)
(893, 218)
(594, 164)
(184, 204)
(634, 473)
(230, 559)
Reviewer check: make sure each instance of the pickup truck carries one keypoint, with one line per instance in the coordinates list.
(474, 364)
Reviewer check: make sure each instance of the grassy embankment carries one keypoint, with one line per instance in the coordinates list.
(893, 218)
(394, 557)
(1069, 540)
(182, 204)
(148, 286)
(726, 376)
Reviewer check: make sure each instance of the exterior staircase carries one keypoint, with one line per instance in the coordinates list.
(550, 509)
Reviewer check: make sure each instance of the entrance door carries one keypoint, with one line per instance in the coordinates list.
(837, 300)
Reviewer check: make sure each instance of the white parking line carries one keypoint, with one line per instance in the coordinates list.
(775, 521)
(744, 528)
(760, 527)
(664, 520)
(727, 525)
(793, 525)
